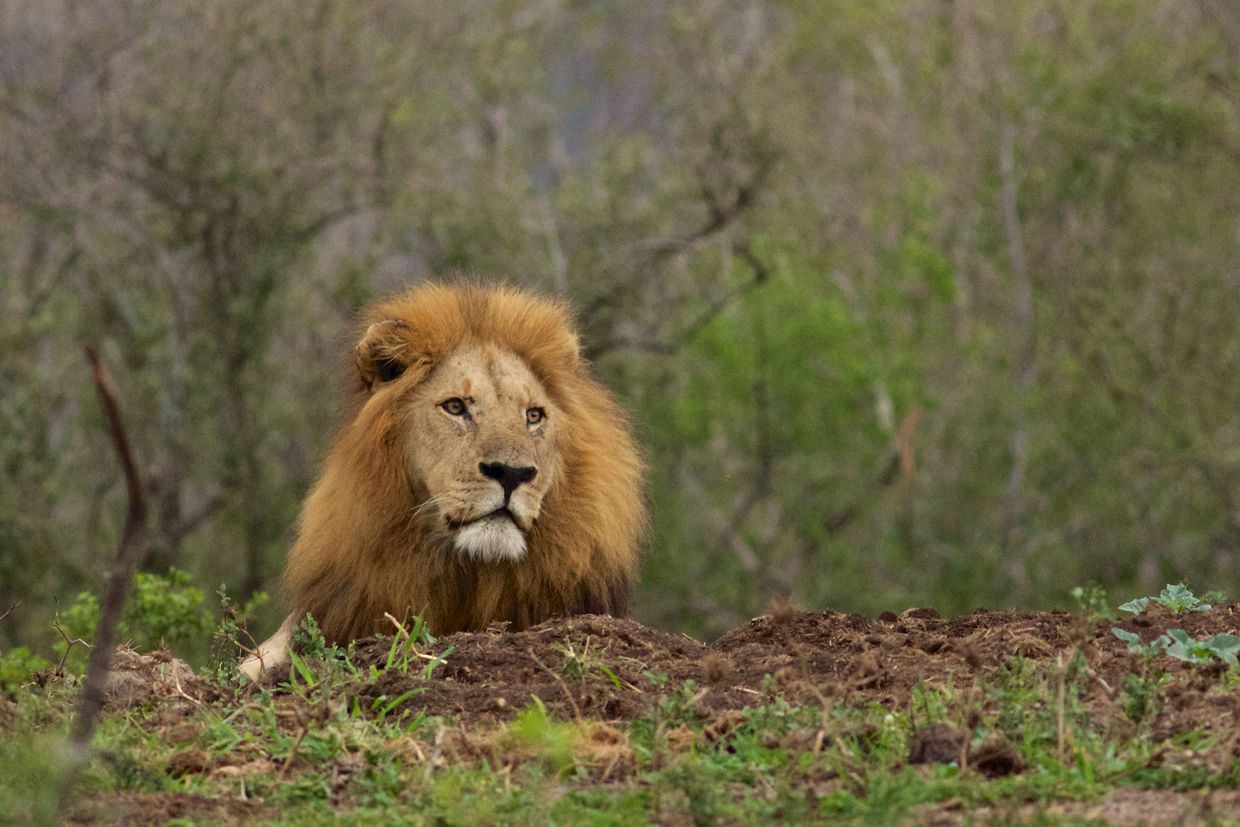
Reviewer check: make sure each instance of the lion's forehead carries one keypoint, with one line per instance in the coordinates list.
(489, 372)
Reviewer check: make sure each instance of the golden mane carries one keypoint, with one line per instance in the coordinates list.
(364, 548)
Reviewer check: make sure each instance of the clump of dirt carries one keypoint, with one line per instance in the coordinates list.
(142, 678)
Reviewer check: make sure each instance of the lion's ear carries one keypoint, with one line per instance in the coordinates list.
(383, 353)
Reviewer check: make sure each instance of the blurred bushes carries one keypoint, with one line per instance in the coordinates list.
(914, 302)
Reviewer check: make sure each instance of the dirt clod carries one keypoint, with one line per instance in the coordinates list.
(936, 744)
(995, 758)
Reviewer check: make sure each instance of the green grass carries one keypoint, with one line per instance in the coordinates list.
(777, 763)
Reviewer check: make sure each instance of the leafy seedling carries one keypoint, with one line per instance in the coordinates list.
(1177, 599)
(1180, 645)
(1135, 645)
(1222, 647)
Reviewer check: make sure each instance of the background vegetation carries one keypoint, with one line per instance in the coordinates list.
(915, 302)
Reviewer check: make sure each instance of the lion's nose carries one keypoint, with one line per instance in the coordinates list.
(508, 476)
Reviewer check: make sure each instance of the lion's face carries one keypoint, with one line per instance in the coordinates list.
(480, 435)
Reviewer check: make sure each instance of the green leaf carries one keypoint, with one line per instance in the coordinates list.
(307, 674)
(1135, 606)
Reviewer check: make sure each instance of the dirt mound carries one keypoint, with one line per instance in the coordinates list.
(616, 669)
(592, 666)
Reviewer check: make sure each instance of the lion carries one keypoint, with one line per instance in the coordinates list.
(483, 476)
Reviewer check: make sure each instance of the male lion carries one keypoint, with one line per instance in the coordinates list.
(485, 476)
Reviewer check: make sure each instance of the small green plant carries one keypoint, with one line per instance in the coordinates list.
(231, 635)
(680, 705)
(1220, 647)
(407, 648)
(1092, 602)
(1176, 598)
(1138, 647)
(1181, 645)
(580, 664)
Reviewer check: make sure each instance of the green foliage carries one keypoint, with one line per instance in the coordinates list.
(1180, 645)
(816, 249)
(1177, 599)
(17, 665)
(1135, 645)
(163, 610)
(1221, 646)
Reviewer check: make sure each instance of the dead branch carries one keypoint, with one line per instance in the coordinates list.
(128, 555)
(69, 644)
(9, 611)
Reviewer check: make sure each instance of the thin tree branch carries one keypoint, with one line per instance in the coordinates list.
(190, 522)
(1025, 322)
(669, 347)
(128, 555)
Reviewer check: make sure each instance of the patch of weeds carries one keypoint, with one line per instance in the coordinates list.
(232, 636)
(29, 780)
(410, 651)
(552, 741)
(610, 808)
(1140, 695)
(382, 784)
(482, 797)
(930, 705)
(717, 788)
(302, 789)
(1175, 598)
(681, 705)
(1091, 601)
(580, 665)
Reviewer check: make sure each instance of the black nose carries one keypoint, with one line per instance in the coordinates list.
(507, 476)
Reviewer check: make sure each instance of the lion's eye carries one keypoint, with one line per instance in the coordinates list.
(535, 416)
(388, 369)
(454, 406)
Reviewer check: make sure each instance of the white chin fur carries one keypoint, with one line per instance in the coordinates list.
(492, 539)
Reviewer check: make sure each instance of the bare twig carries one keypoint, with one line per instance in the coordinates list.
(10, 610)
(292, 752)
(69, 644)
(176, 679)
(128, 554)
(563, 686)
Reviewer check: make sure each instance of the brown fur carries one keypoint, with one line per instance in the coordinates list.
(365, 548)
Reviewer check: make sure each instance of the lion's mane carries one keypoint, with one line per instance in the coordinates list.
(364, 548)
